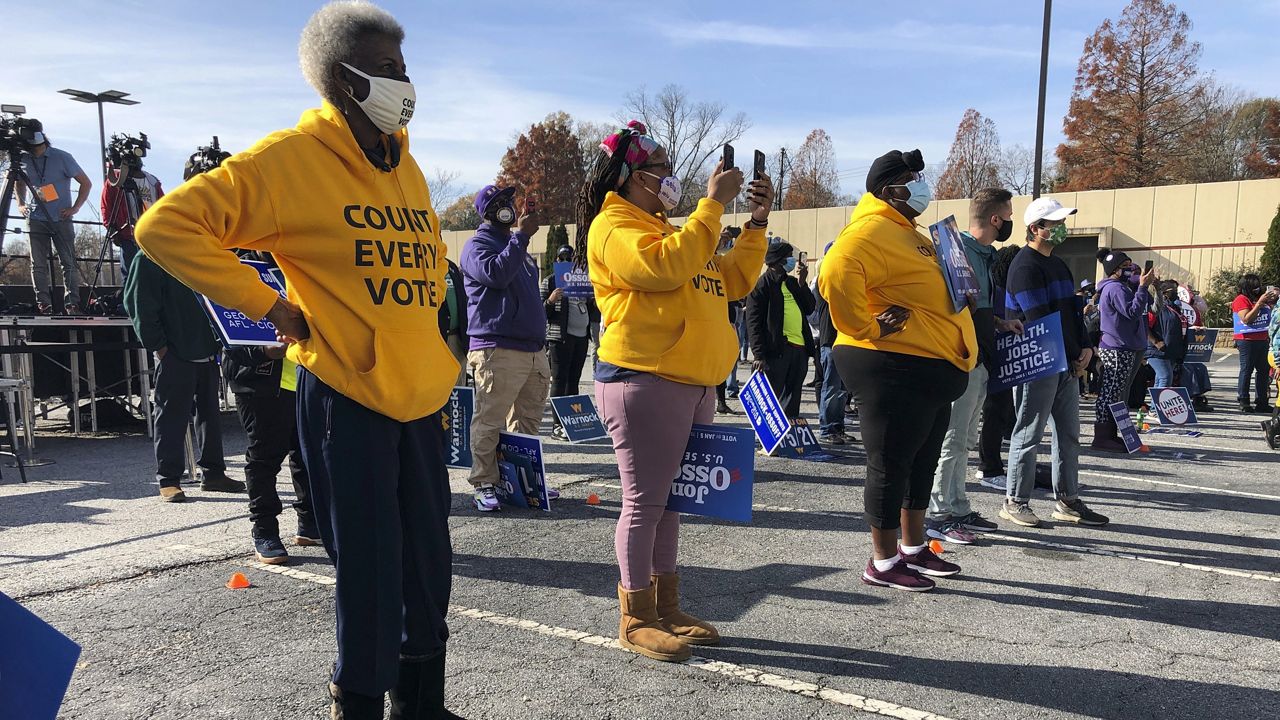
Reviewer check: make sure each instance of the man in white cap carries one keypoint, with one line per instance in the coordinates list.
(1040, 284)
(51, 171)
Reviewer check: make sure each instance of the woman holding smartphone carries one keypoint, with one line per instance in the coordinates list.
(905, 354)
(665, 343)
(1123, 299)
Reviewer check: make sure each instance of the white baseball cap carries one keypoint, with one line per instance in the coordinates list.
(1046, 209)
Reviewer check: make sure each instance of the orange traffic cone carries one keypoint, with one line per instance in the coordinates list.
(238, 581)
(1145, 448)
(1145, 427)
(593, 499)
(936, 547)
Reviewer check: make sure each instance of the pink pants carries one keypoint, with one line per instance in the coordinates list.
(649, 419)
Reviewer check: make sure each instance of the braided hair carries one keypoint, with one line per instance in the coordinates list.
(605, 175)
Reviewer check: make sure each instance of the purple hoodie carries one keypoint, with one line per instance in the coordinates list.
(504, 302)
(1124, 315)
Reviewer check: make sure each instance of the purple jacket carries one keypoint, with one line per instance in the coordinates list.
(1123, 311)
(504, 307)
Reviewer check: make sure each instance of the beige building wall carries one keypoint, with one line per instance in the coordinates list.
(1189, 230)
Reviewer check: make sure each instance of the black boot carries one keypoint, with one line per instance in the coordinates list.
(353, 706)
(419, 691)
(1271, 430)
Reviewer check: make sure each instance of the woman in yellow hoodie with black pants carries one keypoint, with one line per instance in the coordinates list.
(905, 354)
(665, 343)
(345, 211)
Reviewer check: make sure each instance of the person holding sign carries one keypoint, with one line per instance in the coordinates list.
(569, 322)
(1123, 299)
(781, 339)
(905, 353)
(1251, 312)
(951, 517)
(343, 207)
(1166, 338)
(1040, 284)
(666, 342)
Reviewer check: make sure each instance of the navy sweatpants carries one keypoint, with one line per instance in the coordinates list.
(381, 496)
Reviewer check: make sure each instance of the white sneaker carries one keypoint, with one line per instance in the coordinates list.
(486, 499)
(995, 482)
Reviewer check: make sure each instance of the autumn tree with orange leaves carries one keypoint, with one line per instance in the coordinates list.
(974, 160)
(814, 182)
(1136, 100)
(546, 162)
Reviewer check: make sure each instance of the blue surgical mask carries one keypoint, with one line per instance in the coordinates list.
(789, 264)
(921, 194)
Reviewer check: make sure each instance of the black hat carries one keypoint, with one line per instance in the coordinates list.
(778, 252)
(890, 166)
(1111, 260)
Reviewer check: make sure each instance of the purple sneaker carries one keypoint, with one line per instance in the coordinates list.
(553, 493)
(926, 563)
(899, 576)
(948, 531)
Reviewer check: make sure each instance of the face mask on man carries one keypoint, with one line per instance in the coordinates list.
(1005, 231)
(1057, 235)
(669, 191)
(389, 105)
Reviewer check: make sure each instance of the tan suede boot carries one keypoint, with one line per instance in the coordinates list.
(681, 624)
(639, 630)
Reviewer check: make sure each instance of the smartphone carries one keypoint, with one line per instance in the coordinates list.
(530, 205)
(1146, 267)
(727, 157)
(759, 166)
(804, 259)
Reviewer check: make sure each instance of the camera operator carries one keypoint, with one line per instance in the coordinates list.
(129, 191)
(51, 171)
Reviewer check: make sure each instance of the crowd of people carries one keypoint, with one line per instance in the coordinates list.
(350, 396)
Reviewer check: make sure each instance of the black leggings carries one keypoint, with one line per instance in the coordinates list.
(997, 421)
(904, 407)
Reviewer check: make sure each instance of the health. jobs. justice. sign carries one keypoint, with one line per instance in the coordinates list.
(1037, 353)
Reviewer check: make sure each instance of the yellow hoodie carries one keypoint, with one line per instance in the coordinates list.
(360, 250)
(880, 260)
(664, 294)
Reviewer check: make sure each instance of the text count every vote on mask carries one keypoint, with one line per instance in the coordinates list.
(388, 239)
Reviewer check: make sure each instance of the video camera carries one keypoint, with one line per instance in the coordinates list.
(17, 133)
(204, 159)
(127, 151)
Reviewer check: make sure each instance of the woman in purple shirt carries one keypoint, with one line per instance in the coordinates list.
(1123, 299)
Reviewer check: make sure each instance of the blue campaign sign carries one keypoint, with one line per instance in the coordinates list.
(1038, 352)
(525, 452)
(36, 663)
(1259, 324)
(511, 489)
(801, 444)
(576, 283)
(1200, 342)
(717, 474)
(764, 412)
(1124, 423)
(233, 326)
(456, 416)
(579, 418)
(956, 271)
(1173, 406)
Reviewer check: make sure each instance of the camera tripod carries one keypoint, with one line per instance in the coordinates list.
(133, 209)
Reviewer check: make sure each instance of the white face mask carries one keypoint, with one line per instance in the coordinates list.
(389, 104)
(669, 192)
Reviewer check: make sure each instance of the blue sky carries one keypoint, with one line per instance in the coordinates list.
(875, 75)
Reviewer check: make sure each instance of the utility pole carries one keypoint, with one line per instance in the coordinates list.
(782, 176)
(1044, 78)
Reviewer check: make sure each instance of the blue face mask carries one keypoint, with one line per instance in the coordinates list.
(921, 195)
(790, 264)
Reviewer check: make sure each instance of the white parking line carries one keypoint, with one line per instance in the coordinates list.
(1222, 491)
(1268, 577)
(731, 670)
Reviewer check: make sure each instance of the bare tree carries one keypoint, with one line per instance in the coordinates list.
(691, 131)
(590, 135)
(1015, 170)
(444, 187)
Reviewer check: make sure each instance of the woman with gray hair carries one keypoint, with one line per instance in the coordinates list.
(345, 211)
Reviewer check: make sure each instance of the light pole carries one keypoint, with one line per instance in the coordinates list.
(1044, 77)
(109, 96)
